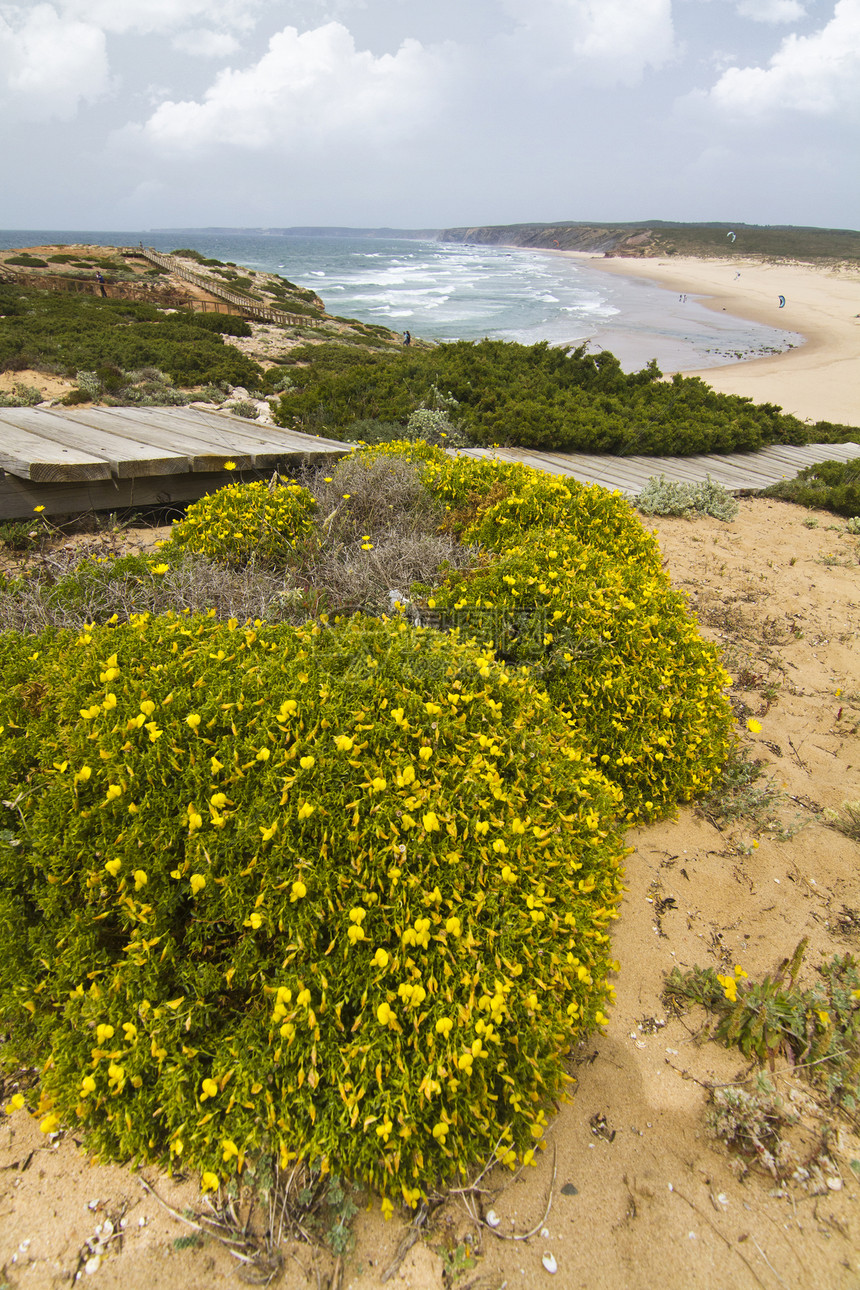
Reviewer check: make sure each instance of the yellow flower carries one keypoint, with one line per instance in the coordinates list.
(306, 762)
(344, 743)
(208, 1088)
(159, 568)
(305, 810)
(443, 1026)
(440, 1131)
(429, 820)
(263, 754)
(38, 509)
(16, 1102)
(378, 784)
(425, 753)
(113, 867)
(229, 465)
(140, 879)
(269, 833)
(380, 959)
(730, 987)
(103, 1032)
(198, 882)
(254, 921)
(298, 890)
(753, 726)
(50, 1124)
(88, 1085)
(113, 792)
(384, 1014)
(453, 926)
(195, 820)
(355, 933)
(209, 1181)
(147, 707)
(193, 720)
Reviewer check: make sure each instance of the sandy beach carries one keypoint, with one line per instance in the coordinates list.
(819, 380)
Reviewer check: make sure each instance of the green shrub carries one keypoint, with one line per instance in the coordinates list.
(31, 261)
(827, 486)
(535, 396)
(667, 497)
(22, 396)
(576, 591)
(247, 521)
(341, 892)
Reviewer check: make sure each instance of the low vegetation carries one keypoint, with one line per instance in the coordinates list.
(338, 888)
(533, 396)
(828, 486)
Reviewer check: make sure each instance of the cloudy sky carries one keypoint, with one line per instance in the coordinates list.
(136, 114)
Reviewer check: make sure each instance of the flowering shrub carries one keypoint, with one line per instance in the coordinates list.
(341, 891)
(245, 521)
(576, 590)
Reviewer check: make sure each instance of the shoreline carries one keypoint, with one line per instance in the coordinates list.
(816, 381)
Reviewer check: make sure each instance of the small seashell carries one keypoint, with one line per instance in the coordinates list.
(549, 1263)
(107, 1227)
(491, 1218)
(544, 1231)
(92, 1265)
(835, 1184)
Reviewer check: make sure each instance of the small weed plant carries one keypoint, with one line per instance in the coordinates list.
(815, 1028)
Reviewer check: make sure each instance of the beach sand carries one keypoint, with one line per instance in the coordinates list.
(819, 380)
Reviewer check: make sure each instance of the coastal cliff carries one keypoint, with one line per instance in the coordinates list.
(653, 238)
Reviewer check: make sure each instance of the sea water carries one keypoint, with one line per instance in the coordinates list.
(450, 291)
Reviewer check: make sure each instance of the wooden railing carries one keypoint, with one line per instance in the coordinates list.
(250, 308)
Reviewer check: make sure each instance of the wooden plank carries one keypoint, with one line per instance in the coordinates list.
(18, 497)
(126, 457)
(31, 456)
(237, 440)
(268, 437)
(165, 433)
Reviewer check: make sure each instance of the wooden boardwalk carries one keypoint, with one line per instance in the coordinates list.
(740, 472)
(69, 459)
(77, 459)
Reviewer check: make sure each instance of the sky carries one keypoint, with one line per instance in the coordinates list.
(143, 114)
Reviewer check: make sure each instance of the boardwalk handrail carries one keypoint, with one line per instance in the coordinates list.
(248, 306)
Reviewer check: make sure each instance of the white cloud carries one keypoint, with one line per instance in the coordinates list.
(308, 88)
(817, 74)
(145, 16)
(197, 42)
(772, 10)
(616, 39)
(49, 65)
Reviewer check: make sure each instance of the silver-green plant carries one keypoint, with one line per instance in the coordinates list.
(665, 497)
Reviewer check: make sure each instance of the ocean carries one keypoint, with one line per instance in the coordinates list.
(448, 291)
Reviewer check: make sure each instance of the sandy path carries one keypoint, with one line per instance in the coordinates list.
(819, 380)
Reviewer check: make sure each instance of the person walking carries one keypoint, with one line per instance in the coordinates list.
(407, 338)
(100, 280)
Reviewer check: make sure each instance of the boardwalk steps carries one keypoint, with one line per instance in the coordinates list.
(250, 308)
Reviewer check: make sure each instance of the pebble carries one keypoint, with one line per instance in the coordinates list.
(549, 1263)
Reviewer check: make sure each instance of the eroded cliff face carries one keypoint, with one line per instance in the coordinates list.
(596, 238)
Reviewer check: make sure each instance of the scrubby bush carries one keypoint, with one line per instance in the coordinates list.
(536, 396)
(21, 396)
(576, 591)
(342, 892)
(827, 486)
(667, 497)
(247, 521)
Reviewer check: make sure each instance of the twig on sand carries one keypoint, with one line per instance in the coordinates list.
(694, 1207)
(525, 1236)
(410, 1237)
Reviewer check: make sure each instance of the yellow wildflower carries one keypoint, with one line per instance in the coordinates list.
(198, 882)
